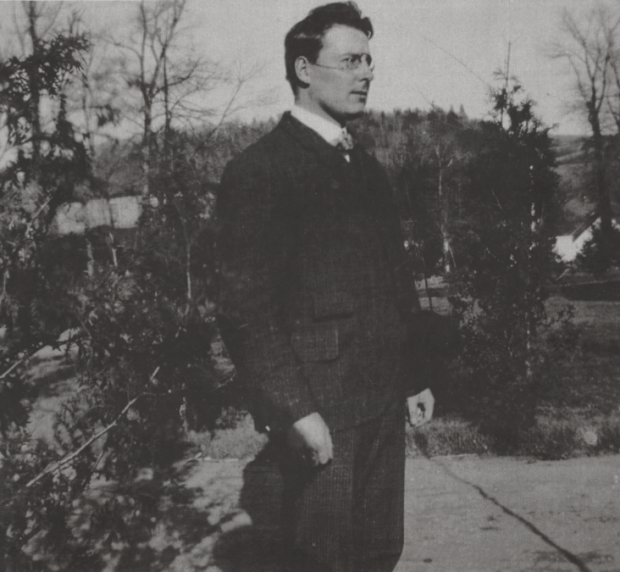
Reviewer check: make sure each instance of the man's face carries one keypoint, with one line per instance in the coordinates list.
(334, 91)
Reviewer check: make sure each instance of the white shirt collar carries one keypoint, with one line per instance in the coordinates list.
(328, 130)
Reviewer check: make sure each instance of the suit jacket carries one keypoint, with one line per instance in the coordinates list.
(316, 289)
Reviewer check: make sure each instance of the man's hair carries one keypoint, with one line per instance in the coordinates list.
(306, 37)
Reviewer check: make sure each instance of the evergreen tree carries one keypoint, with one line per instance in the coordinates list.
(505, 258)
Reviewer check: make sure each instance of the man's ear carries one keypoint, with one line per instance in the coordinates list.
(302, 69)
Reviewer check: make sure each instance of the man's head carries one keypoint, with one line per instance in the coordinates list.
(328, 62)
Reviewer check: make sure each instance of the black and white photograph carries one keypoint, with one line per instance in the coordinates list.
(310, 286)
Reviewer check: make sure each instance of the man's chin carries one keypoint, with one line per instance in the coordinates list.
(353, 114)
(349, 114)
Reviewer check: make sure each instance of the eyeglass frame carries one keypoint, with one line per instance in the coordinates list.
(365, 58)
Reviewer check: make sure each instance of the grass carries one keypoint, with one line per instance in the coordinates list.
(578, 413)
(554, 436)
(447, 436)
(239, 442)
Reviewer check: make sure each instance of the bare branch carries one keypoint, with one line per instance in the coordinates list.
(68, 458)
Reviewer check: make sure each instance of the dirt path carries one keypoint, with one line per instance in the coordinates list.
(462, 514)
(512, 515)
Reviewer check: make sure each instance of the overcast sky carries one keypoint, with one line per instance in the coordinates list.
(416, 47)
(441, 52)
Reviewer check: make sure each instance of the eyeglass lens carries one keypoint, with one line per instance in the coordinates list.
(356, 60)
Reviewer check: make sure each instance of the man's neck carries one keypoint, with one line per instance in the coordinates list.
(312, 107)
(328, 130)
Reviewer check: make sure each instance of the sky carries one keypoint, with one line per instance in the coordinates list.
(427, 52)
(441, 52)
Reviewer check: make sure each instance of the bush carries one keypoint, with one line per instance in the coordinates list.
(141, 330)
(503, 250)
(595, 257)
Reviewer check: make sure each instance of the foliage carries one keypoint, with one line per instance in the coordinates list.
(433, 179)
(45, 172)
(140, 333)
(505, 263)
(424, 154)
(594, 257)
(34, 306)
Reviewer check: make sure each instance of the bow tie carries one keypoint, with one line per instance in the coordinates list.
(344, 142)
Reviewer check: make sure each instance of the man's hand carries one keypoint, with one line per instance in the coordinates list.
(310, 437)
(420, 408)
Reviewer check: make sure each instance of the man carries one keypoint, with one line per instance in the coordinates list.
(316, 298)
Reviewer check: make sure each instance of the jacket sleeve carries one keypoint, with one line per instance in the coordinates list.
(255, 241)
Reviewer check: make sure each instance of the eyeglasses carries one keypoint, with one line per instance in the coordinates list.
(351, 63)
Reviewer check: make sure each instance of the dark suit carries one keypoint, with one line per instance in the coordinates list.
(316, 295)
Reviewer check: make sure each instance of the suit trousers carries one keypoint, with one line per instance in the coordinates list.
(348, 516)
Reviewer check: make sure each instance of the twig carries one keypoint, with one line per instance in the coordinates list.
(25, 359)
(497, 200)
(36, 215)
(18, 362)
(68, 458)
(458, 60)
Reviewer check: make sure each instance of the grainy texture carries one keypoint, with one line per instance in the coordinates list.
(316, 287)
(350, 513)
(461, 514)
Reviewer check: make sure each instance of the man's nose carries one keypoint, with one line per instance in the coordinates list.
(366, 71)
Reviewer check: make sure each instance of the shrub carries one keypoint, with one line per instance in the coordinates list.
(594, 258)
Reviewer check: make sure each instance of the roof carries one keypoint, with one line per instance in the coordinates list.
(77, 218)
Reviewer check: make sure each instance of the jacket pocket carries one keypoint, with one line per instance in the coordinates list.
(317, 342)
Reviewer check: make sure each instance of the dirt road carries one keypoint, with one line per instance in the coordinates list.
(462, 514)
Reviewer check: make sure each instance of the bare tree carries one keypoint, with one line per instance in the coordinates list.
(589, 46)
(168, 82)
(94, 92)
(443, 149)
(40, 20)
(438, 148)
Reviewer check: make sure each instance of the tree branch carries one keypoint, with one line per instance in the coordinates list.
(68, 458)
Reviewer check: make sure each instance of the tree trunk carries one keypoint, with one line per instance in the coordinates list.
(444, 220)
(35, 90)
(90, 258)
(146, 152)
(602, 189)
(86, 103)
(167, 115)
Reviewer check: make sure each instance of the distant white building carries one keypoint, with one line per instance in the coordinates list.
(568, 246)
(77, 218)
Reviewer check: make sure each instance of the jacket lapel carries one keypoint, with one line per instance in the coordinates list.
(345, 180)
(311, 140)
